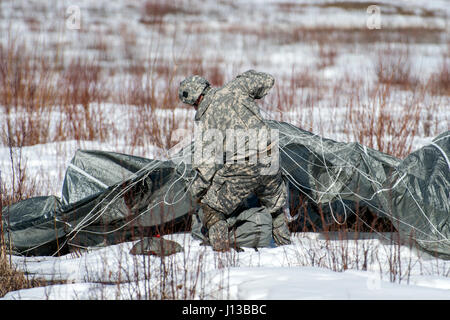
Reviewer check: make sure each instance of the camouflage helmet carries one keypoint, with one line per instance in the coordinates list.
(191, 88)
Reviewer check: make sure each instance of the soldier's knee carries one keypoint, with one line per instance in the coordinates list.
(278, 218)
(211, 216)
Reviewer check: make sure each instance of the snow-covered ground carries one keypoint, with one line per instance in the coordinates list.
(376, 269)
(271, 36)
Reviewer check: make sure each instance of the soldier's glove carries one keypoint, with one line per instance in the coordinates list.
(280, 231)
(217, 228)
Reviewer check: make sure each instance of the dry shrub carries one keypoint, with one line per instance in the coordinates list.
(279, 35)
(81, 84)
(327, 55)
(12, 279)
(304, 78)
(373, 121)
(32, 85)
(298, 94)
(439, 82)
(160, 8)
(213, 70)
(153, 118)
(394, 67)
(154, 11)
(129, 39)
(26, 94)
(21, 186)
(101, 46)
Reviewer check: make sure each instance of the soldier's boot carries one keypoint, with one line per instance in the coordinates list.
(217, 228)
(280, 231)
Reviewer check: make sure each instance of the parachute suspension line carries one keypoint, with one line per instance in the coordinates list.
(173, 183)
(334, 218)
(443, 153)
(294, 182)
(142, 213)
(441, 138)
(331, 186)
(93, 218)
(87, 220)
(149, 167)
(364, 174)
(423, 213)
(297, 184)
(132, 220)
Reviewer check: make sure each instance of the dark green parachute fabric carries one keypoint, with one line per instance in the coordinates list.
(142, 194)
(413, 193)
(420, 201)
(108, 197)
(250, 228)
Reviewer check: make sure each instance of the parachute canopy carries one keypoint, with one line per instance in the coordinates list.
(109, 197)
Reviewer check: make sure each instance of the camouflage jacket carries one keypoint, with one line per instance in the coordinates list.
(232, 106)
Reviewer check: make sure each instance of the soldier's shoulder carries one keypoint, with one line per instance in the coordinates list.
(228, 88)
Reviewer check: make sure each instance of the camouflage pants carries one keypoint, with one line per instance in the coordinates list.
(234, 183)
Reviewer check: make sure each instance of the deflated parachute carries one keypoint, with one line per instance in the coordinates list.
(414, 193)
(109, 198)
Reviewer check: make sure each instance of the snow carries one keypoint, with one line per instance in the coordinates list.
(313, 266)
(317, 284)
(291, 283)
(284, 273)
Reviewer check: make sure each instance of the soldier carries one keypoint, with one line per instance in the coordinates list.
(221, 187)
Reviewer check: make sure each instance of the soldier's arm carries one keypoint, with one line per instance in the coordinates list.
(202, 180)
(255, 84)
(204, 168)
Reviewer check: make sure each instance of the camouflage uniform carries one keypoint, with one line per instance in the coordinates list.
(222, 187)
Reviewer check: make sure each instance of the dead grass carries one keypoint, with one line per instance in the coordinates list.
(81, 84)
(12, 279)
(26, 95)
(45, 99)
(154, 11)
(361, 6)
(439, 82)
(22, 186)
(31, 87)
(43, 102)
(278, 35)
(394, 67)
(154, 120)
(327, 55)
(374, 124)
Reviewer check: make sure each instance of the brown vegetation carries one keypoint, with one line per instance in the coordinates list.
(12, 279)
(44, 98)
